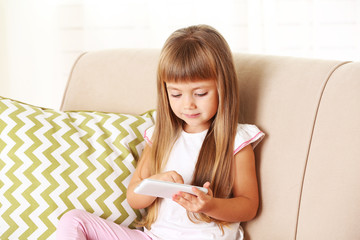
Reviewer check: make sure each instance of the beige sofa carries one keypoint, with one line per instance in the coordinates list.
(309, 163)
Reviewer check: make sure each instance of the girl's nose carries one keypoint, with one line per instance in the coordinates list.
(189, 102)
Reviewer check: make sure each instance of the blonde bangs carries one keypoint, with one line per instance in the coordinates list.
(186, 62)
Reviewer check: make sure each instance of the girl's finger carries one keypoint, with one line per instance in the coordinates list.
(200, 194)
(206, 185)
(181, 200)
(186, 196)
(177, 178)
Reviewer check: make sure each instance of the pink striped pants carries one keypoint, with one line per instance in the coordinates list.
(79, 224)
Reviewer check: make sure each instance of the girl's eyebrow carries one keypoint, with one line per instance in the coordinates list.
(172, 88)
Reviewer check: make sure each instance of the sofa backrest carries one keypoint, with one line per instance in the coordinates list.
(113, 81)
(309, 109)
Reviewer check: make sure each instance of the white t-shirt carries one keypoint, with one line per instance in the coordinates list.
(172, 221)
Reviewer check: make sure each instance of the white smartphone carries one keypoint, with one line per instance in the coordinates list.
(164, 189)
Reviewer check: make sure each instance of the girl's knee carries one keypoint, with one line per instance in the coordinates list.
(68, 226)
(72, 217)
(73, 214)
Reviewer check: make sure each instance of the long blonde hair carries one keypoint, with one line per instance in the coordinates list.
(192, 54)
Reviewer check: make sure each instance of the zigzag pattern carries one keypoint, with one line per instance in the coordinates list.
(52, 161)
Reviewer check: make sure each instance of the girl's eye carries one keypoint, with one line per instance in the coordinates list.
(176, 95)
(201, 94)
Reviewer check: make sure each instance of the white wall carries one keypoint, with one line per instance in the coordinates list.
(41, 39)
(4, 83)
(31, 52)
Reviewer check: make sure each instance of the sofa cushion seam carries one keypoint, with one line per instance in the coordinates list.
(69, 79)
(331, 72)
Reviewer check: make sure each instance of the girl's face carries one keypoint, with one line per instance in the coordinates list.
(196, 103)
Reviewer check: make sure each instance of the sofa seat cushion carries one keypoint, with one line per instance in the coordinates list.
(53, 161)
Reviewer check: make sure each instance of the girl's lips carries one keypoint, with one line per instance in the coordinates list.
(192, 115)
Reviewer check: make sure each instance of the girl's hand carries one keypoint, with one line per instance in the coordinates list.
(199, 202)
(170, 176)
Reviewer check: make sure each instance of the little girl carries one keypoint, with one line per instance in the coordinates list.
(196, 140)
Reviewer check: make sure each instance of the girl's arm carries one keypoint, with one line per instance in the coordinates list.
(142, 171)
(138, 201)
(242, 207)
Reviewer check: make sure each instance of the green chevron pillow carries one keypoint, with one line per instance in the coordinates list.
(53, 161)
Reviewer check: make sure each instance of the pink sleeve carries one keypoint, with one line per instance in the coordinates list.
(247, 134)
(148, 135)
